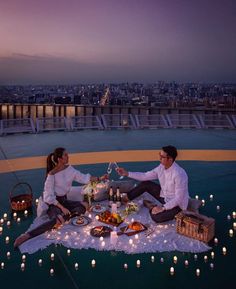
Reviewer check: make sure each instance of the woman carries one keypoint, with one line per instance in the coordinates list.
(57, 186)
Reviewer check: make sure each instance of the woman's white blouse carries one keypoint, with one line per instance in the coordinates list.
(60, 184)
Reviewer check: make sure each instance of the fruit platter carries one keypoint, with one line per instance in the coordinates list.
(109, 218)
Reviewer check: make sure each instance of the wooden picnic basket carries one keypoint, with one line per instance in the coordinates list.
(195, 226)
(22, 201)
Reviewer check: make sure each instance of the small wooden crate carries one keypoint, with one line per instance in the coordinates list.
(195, 226)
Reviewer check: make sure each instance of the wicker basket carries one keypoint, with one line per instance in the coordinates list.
(22, 201)
(195, 226)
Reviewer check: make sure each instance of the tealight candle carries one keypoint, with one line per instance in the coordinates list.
(234, 215)
(18, 220)
(8, 254)
(211, 265)
(76, 266)
(5, 215)
(175, 259)
(196, 197)
(229, 217)
(205, 258)
(97, 217)
(234, 225)
(186, 263)
(101, 238)
(23, 258)
(172, 270)
(152, 259)
(36, 202)
(125, 266)
(14, 215)
(212, 255)
(90, 216)
(132, 220)
(68, 252)
(162, 260)
(52, 256)
(130, 241)
(2, 265)
(23, 201)
(217, 208)
(22, 266)
(40, 262)
(1, 229)
(138, 263)
(8, 223)
(7, 239)
(224, 250)
(198, 272)
(103, 244)
(1, 221)
(51, 271)
(203, 202)
(231, 232)
(195, 257)
(26, 213)
(216, 241)
(93, 263)
(136, 236)
(211, 197)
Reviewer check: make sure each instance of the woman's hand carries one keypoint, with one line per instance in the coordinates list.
(122, 172)
(65, 211)
(104, 177)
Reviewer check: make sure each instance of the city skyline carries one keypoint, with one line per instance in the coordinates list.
(71, 41)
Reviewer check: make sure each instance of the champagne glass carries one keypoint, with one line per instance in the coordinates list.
(109, 169)
(116, 167)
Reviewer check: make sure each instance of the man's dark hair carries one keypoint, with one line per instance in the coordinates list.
(171, 151)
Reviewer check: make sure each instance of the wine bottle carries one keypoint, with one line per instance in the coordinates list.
(118, 197)
(110, 196)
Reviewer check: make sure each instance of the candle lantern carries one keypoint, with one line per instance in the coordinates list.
(216, 241)
(172, 270)
(152, 259)
(186, 263)
(52, 256)
(93, 263)
(138, 263)
(2, 265)
(22, 266)
(175, 259)
(211, 197)
(68, 252)
(224, 250)
(198, 272)
(231, 232)
(51, 271)
(76, 266)
(125, 266)
(40, 262)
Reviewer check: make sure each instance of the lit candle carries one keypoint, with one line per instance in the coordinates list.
(5, 215)
(93, 263)
(103, 244)
(212, 255)
(90, 216)
(26, 213)
(211, 197)
(234, 225)
(203, 202)
(14, 214)
(217, 208)
(23, 201)
(8, 255)
(8, 223)
(196, 197)
(97, 217)
(68, 252)
(138, 263)
(125, 266)
(211, 265)
(136, 236)
(7, 239)
(130, 241)
(195, 257)
(175, 259)
(216, 241)
(101, 238)
(162, 260)
(18, 220)
(172, 270)
(1, 229)
(152, 259)
(198, 272)
(52, 256)
(2, 265)
(22, 266)
(40, 262)
(229, 217)
(132, 220)
(36, 202)
(186, 263)
(224, 250)
(23, 258)
(231, 232)
(52, 272)
(76, 266)
(234, 215)
(1, 221)
(205, 258)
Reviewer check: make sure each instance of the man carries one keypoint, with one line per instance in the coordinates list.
(172, 192)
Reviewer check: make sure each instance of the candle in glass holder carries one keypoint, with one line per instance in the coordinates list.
(211, 197)
(7, 239)
(1, 221)
(93, 263)
(229, 217)
(130, 241)
(125, 266)
(52, 256)
(196, 197)
(203, 202)
(22, 266)
(2, 265)
(14, 215)
(212, 255)
(224, 250)
(51, 271)
(103, 244)
(205, 258)
(36, 202)
(138, 263)
(136, 236)
(5, 215)
(97, 217)
(23, 258)
(231, 232)
(152, 259)
(195, 257)
(101, 238)
(172, 270)
(1, 229)
(198, 272)
(18, 220)
(175, 259)
(216, 241)
(234, 225)
(211, 265)
(76, 266)
(217, 208)
(186, 263)
(8, 223)
(68, 252)
(162, 260)
(40, 262)
(26, 213)
(8, 254)
(234, 215)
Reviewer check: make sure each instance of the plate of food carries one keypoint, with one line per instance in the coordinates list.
(100, 231)
(109, 218)
(98, 209)
(81, 221)
(133, 228)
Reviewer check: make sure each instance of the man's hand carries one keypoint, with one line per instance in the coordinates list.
(122, 172)
(157, 209)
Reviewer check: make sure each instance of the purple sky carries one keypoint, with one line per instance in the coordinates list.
(76, 41)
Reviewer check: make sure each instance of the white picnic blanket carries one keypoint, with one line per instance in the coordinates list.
(157, 238)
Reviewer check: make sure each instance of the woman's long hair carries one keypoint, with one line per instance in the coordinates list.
(52, 158)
